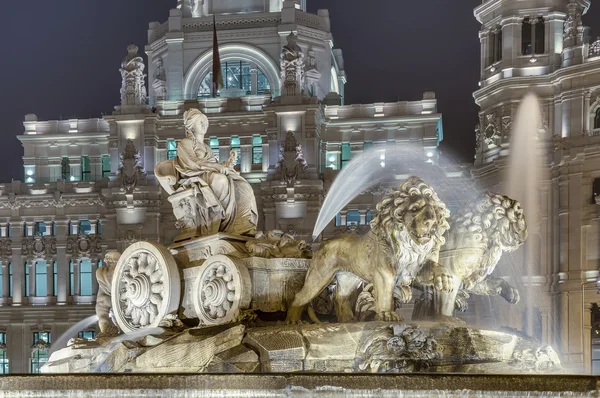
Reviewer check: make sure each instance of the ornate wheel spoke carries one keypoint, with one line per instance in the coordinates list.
(221, 288)
(146, 286)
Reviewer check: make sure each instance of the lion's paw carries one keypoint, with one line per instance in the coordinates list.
(294, 316)
(444, 282)
(510, 294)
(389, 316)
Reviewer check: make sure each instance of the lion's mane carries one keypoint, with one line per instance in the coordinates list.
(389, 219)
(494, 217)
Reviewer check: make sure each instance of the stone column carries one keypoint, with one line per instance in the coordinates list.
(484, 38)
(94, 261)
(29, 228)
(5, 278)
(586, 112)
(76, 286)
(30, 264)
(93, 227)
(363, 217)
(533, 22)
(17, 263)
(174, 65)
(245, 160)
(48, 228)
(50, 276)
(265, 154)
(74, 227)
(62, 263)
(254, 79)
(273, 148)
(343, 217)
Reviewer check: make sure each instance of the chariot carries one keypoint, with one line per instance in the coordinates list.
(211, 279)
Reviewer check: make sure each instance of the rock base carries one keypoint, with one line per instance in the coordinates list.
(370, 347)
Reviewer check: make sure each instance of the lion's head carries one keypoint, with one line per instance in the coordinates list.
(493, 216)
(413, 208)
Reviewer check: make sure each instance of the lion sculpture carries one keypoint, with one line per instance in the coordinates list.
(406, 234)
(478, 236)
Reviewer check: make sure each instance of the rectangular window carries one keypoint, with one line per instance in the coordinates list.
(85, 278)
(3, 356)
(55, 279)
(105, 166)
(236, 146)
(353, 217)
(86, 169)
(257, 153)
(346, 154)
(39, 355)
(332, 160)
(41, 278)
(39, 228)
(87, 334)
(85, 227)
(338, 220)
(540, 33)
(65, 168)
(214, 147)
(26, 280)
(171, 149)
(526, 37)
(10, 280)
(71, 278)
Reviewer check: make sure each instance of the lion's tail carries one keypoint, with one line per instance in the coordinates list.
(312, 315)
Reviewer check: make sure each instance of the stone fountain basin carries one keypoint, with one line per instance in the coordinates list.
(371, 347)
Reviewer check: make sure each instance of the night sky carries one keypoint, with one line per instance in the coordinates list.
(61, 59)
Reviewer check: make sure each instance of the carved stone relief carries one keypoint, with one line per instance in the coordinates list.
(131, 170)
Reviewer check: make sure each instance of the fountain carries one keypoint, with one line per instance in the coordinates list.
(225, 298)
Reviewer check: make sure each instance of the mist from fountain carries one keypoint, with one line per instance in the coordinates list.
(526, 172)
(385, 163)
(72, 332)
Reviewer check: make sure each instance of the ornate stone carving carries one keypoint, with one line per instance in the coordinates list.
(38, 246)
(291, 160)
(222, 288)
(131, 170)
(312, 76)
(292, 67)
(104, 276)
(406, 233)
(506, 127)
(479, 137)
(594, 48)
(573, 25)
(491, 132)
(277, 244)
(40, 345)
(532, 359)
(399, 349)
(160, 80)
(145, 286)
(133, 86)
(5, 248)
(207, 196)
(84, 245)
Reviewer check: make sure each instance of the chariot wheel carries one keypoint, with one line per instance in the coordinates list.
(221, 289)
(146, 286)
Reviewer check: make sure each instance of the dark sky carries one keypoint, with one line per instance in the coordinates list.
(61, 58)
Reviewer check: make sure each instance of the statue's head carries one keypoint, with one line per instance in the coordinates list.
(413, 211)
(111, 258)
(291, 38)
(196, 123)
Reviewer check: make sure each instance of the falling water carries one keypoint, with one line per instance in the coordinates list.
(384, 163)
(526, 171)
(72, 332)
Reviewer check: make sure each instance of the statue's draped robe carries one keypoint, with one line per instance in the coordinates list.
(227, 202)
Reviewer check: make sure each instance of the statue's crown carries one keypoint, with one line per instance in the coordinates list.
(132, 49)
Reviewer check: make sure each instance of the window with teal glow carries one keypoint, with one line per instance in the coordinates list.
(353, 217)
(346, 154)
(171, 149)
(257, 150)
(39, 228)
(65, 169)
(3, 356)
(85, 277)
(105, 166)
(85, 227)
(236, 75)
(87, 334)
(41, 278)
(214, 147)
(40, 352)
(86, 169)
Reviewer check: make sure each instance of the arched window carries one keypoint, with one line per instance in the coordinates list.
(237, 75)
(597, 119)
(85, 277)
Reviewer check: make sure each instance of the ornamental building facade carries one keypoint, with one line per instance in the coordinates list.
(89, 187)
